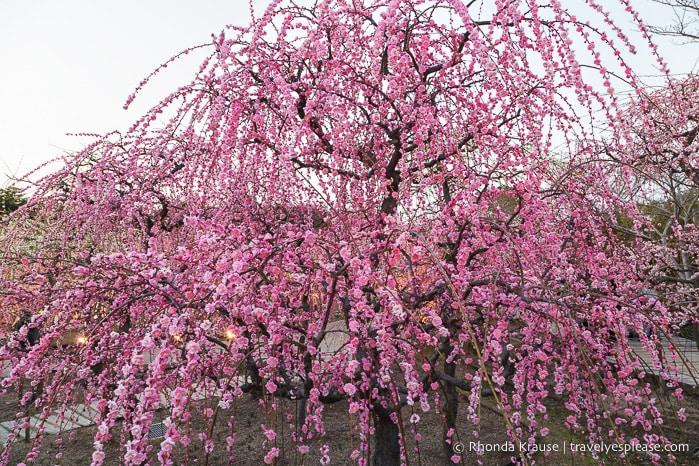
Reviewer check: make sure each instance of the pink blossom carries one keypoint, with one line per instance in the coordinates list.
(271, 454)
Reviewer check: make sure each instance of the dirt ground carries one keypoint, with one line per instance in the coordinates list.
(75, 447)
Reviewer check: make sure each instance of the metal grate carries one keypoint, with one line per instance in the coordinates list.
(157, 430)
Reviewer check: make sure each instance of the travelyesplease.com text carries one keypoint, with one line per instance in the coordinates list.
(605, 448)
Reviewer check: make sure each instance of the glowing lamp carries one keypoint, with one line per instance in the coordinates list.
(230, 334)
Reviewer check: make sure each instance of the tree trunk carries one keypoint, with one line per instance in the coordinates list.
(386, 439)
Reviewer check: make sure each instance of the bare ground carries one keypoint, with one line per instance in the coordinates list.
(75, 447)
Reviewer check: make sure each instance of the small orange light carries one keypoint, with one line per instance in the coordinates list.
(177, 337)
(230, 334)
(81, 340)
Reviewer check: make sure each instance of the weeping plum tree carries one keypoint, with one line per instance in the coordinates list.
(353, 200)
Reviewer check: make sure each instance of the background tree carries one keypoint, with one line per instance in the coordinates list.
(11, 199)
(352, 201)
(663, 125)
(686, 21)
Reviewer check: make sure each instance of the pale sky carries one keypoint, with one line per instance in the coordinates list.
(67, 66)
